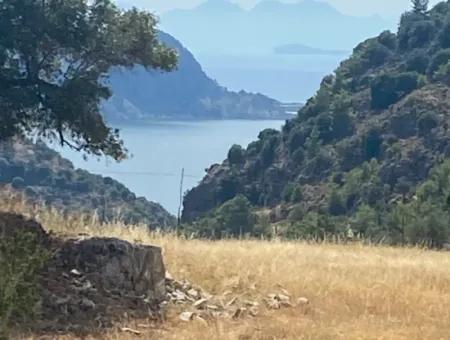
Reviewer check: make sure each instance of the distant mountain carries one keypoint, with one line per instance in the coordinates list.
(187, 93)
(300, 49)
(222, 27)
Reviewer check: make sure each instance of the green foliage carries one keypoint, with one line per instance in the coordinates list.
(336, 204)
(17, 183)
(21, 259)
(420, 6)
(440, 59)
(427, 122)
(54, 62)
(418, 61)
(387, 89)
(233, 219)
(444, 37)
(236, 155)
(415, 31)
(359, 151)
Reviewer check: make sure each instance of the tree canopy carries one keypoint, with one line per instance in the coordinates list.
(54, 62)
(420, 6)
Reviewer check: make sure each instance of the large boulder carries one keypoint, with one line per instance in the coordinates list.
(88, 284)
(93, 282)
(117, 265)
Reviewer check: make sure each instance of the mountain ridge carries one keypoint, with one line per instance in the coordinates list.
(250, 31)
(186, 93)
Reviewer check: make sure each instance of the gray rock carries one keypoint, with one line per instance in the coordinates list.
(116, 265)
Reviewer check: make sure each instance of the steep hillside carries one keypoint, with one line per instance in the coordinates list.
(45, 177)
(186, 93)
(356, 158)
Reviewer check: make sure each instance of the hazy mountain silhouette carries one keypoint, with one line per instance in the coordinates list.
(222, 27)
(186, 93)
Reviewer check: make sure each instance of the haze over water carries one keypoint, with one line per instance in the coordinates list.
(161, 149)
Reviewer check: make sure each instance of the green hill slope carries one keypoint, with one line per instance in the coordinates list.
(46, 177)
(359, 154)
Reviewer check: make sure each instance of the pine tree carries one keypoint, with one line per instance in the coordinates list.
(420, 6)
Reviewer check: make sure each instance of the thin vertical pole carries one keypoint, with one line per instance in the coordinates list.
(181, 196)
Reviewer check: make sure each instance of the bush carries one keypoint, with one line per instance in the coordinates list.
(415, 31)
(236, 155)
(418, 61)
(235, 217)
(18, 183)
(21, 259)
(387, 89)
(444, 37)
(439, 59)
(108, 181)
(427, 122)
(336, 204)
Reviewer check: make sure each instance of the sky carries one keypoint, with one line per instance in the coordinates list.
(385, 8)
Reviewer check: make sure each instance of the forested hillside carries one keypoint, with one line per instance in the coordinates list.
(366, 156)
(47, 178)
(185, 93)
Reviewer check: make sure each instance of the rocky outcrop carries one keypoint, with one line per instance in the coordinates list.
(91, 283)
(88, 284)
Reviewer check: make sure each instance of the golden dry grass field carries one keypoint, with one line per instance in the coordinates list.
(354, 291)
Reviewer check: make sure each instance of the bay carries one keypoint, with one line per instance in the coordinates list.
(159, 150)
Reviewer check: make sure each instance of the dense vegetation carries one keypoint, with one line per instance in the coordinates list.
(45, 177)
(186, 93)
(366, 155)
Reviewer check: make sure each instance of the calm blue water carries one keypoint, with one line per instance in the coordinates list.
(160, 150)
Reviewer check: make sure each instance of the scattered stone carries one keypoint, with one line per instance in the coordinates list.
(239, 313)
(231, 302)
(193, 293)
(273, 304)
(187, 316)
(283, 298)
(130, 330)
(302, 301)
(169, 277)
(200, 303)
(76, 273)
(254, 311)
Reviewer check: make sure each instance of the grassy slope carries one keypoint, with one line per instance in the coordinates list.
(355, 291)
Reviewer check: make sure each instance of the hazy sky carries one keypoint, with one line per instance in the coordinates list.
(385, 8)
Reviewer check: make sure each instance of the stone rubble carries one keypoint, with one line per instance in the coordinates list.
(198, 305)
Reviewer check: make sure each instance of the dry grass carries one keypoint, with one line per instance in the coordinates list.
(355, 291)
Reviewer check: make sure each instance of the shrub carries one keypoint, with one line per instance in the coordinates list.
(415, 31)
(336, 204)
(18, 183)
(21, 259)
(418, 61)
(387, 89)
(444, 36)
(427, 122)
(108, 181)
(439, 59)
(235, 217)
(236, 155)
